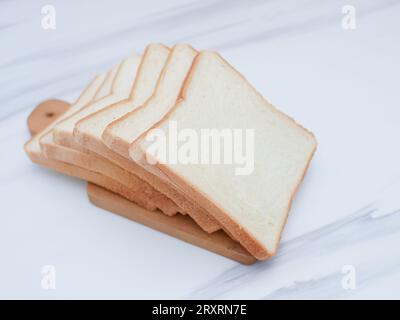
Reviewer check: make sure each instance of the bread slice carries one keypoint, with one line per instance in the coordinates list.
(253, 207)
(89, 131)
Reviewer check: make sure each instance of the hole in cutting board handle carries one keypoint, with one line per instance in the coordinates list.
(45, 113)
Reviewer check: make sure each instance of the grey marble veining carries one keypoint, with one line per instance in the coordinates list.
(358, 229)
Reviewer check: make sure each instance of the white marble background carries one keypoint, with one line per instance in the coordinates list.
(342, 84)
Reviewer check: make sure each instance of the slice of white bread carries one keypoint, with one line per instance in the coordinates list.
(88, 131)
(254, 207)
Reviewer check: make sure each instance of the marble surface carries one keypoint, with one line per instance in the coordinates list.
(340, 83)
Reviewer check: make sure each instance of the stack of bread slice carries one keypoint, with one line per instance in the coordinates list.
(103, 138)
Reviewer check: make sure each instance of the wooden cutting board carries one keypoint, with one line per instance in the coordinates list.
(178, 226)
